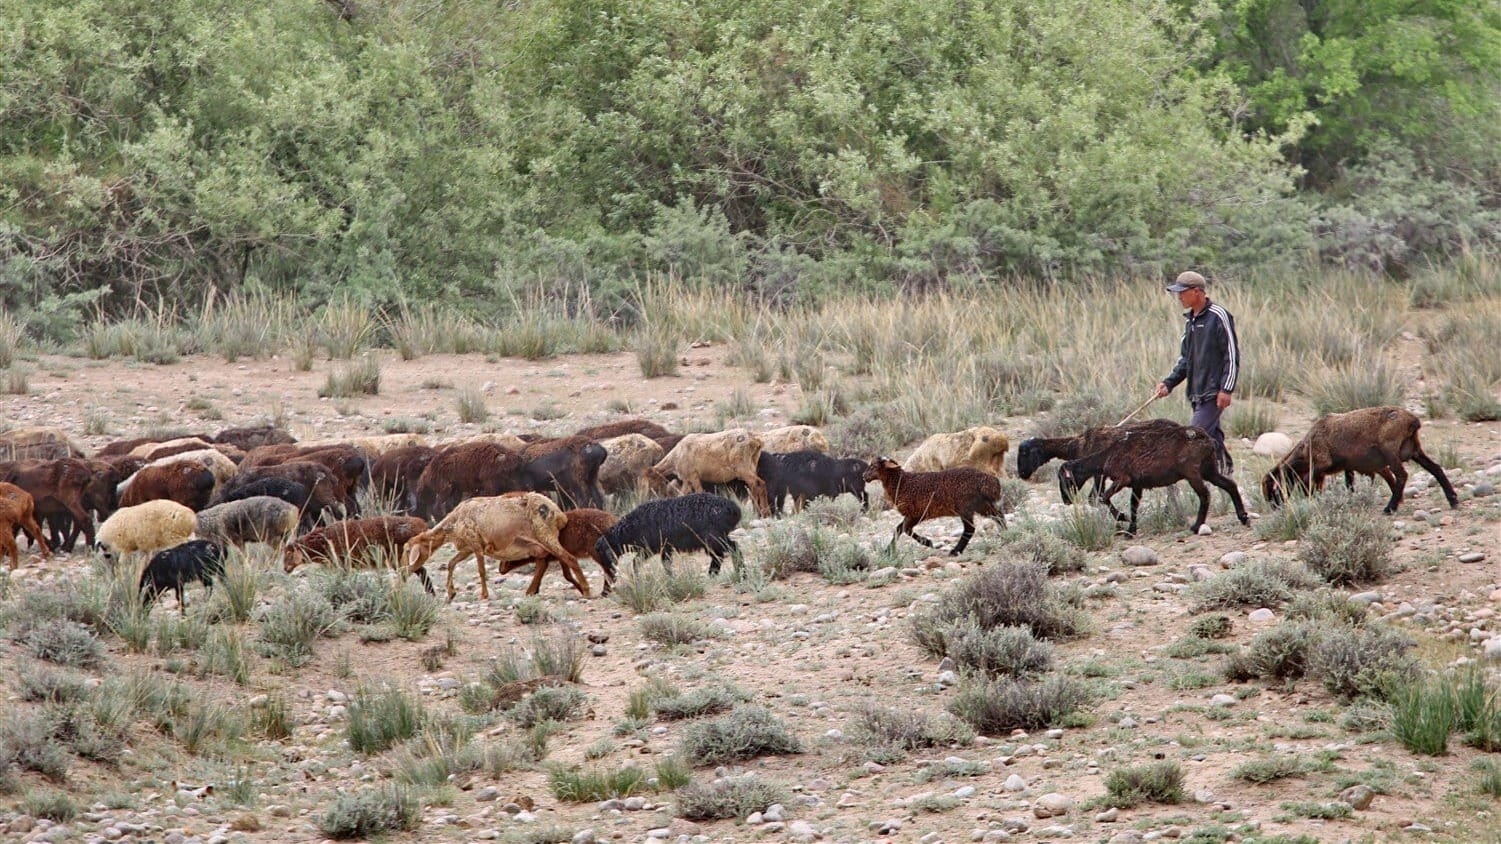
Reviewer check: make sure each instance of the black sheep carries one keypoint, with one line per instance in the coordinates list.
(693, 522)
(802, 475)
(288, 491)
(174, 568)
(1033, 453)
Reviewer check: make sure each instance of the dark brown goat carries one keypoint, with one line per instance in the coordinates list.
(1033, 453)
(189, 484)
(963, 492)
(1371, 441)
(354, 542)
(466, 470)
(1154, 458)
(394, 475)
(609, 430)
(348, 465)
(568, 467)
(251, 438)
(55, 485)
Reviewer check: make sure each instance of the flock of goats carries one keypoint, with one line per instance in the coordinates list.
(520, 500)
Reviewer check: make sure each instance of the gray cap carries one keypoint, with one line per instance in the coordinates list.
(1187, 280)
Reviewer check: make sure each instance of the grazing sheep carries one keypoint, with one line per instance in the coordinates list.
(514, 442)
(260, 518)
(619, 428)
(694, 522)
(504, 527)
(578, 537)
(354, 542)
(627, 457)
(371, 447)
(982, 447)
(1156, 458)
(467, 470)
(394, 474)
(189, 484)
(158, 450)
(963, 492)
(146, 528)
(348, 465)
(211, 459)
(253, 437)
(794, 438)
(174, 568)
(18, 512)
(289, 491)
(319, 484)
(567, 466)
(1032, 454)
(38, 444)
(56, 487)
(1371, 441)
(123, 448)
(802, 475)
(716, 458)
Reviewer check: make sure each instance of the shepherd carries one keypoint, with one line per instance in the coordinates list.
(1208, 358)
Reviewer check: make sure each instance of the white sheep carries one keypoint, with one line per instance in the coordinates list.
(510, 441)
(149, 451)
(627, 457)
(717, 459)
(794, 438)
(38, 444)
(144, 528)
(260, 518)
(511, 527)
(371, 447)
(982, 447)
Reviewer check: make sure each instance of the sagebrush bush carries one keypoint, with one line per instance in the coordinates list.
(557, 703)
(729, 797)
(1158, 782)
(996, 707)
(65, 643)
(1270, 769)
(1037, 543)
(697, 703)
(49, 685)
(745, 733)
(371, 812)
(358, 379)
(1000, 595)
(1210, 627)
(29, 741)
(1362, 662)
(1347, 546)
(1277, 654)
(290, 626)
(675, 628)
(997, 651)
(910, 729)
(361, 596)
(53, 805)
(1262, 583)
(791, 548)
(413, 612)
(1327, 607)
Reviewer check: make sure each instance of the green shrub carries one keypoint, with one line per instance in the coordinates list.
(572, 785)
(357, 379)
(289, 626)
(906, 730)
(1345, 546)
(1001, 594)
(29, 742)
(996, 707)
(744, 733)
(698, 703)
(53, 805)
(371, 812)
(65, 643)
(379, 719)
(413, 612)
(1489, 781)
(532, 609)
(472, 409)
(997, 651)
(675, 628)
(1270, 769)
(1210, 627)
(1423, 715)
(361, 596)
(557, 703)
(1038, 543)
(730, 797)
(1280, 653)
(48, 685)
(1362, 662)
(1263, 583)
(1158, 782)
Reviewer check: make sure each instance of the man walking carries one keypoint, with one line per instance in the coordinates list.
(1209, 359)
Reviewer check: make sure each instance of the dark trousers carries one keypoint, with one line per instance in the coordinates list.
(1207, 416)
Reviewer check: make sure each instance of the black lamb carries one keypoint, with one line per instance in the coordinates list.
(693, 522)
(802, 475)
(174, 568)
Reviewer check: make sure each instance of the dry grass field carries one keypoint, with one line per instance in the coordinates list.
(1055, 681)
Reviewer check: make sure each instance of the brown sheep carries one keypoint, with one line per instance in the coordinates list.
(465, 470)
(353, 542)
(578, 537)
(509, 527)
(249, 438)
(56, 486)
(610, 430)
(1156, 458)
(320, 485)
(963, 492)
(627, 457)
(189, 484)
(1032, 454)
(158, 450)
(394, 474)
(18, 512)
(567, 466)
(1371, 441)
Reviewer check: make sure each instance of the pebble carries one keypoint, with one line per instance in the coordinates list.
(1472, 557)
(774, 813)
(583, 836)
(1359, 797)
(485, 795)
(1366, 598)
(1108, 816)
(1492, 649)
(1483, 490)
(1014, 784)
(659, 834)
(1232, 559)
(1052, 804)
(802, 831)
(1222, 700)
(1140, 555)
(1261, 616)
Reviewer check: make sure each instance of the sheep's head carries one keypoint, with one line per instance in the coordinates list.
(291, 558)
(881, 466)
(1271, 489)
(106, 553)
(1029, 458)
(1068, 481)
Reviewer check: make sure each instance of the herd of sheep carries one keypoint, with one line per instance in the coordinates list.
(521, 500)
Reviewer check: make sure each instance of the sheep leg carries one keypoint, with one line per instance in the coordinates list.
(8, 545)
(717, 550)
(182, 601)
(536, 585)
(667, 560)
(427, 582)
(1437, 472)
(1349, 481)
(1200, 490)
(484, 580)
(570, 563)
(1228, 485)
(758, 496)
(458, 557)
(34, 531)
(969, 531)
(1110, 492)
(1396, 479)
(907, 526)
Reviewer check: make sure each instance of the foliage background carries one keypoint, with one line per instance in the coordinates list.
(491, 157)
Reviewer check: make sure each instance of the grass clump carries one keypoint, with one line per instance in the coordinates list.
(1037, 543)
(556, 703)
(1158, 782)
(572, 785)
(64, 642)
(674, 628)
(371, 812)
(472, 409)
(1001, 595)
(377, 720)
(1488, 780)
(901, 731)
(729, 797)
(1270, 769)
(1423, 716)
(361, 378)
(289, 626)
(1264, 583)
(996, 707)
(698, 703)
(1362, 662)
(1210, 627)
(46, 685)
(413, 612)
(273, 719)
(744, 733)
(29, 742)
(1280, 653)
(1087, 528)
(53, 805)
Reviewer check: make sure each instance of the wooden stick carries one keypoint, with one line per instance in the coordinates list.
(1137, 410)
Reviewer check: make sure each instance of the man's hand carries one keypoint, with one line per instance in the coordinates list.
(1162, 390)
(1222, 400)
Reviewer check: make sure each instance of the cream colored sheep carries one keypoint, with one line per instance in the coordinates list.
(716, 458)
(144, 528)
(627, 457)
(510, 441)
(371, 447)
(210, 458)
(38, 444)
(982, 447)
(794, 438)
(150, 450)
(517, 526)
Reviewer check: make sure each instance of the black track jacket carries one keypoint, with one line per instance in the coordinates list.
(1210, 355)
